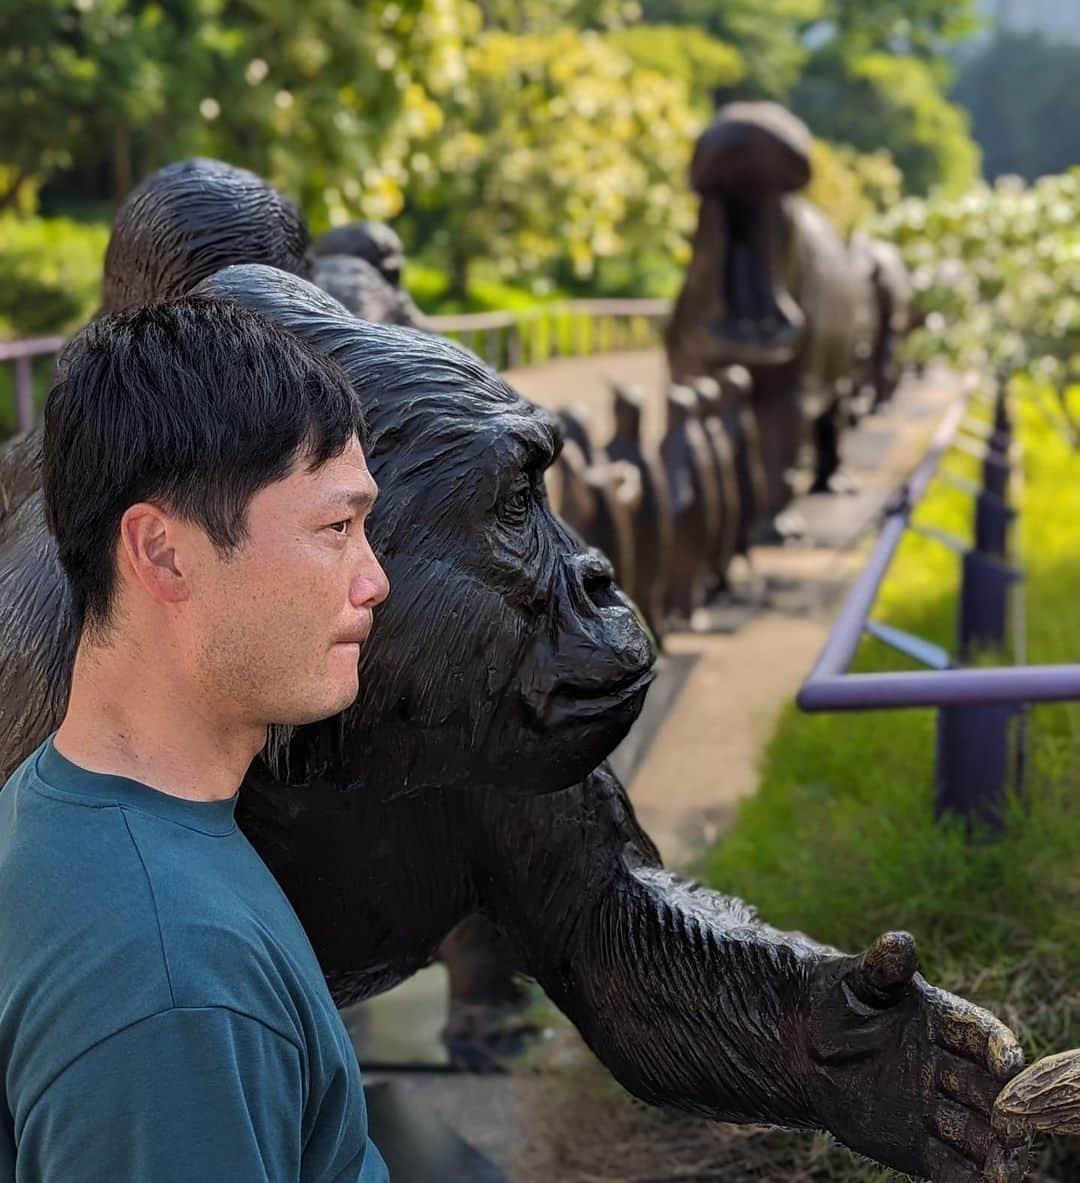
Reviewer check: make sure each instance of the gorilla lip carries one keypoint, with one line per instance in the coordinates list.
(581, 702)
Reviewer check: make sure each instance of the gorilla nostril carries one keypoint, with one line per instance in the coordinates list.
(600, 588)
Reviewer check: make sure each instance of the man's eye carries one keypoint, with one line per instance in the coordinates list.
(343, 532)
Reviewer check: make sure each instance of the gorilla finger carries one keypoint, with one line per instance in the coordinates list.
(1010, 1130)
(964, 1130)
(945, 1165)
(885, 971)
(1005, 1165)
(961, 1027)
(961, 1080)
(1004, 1055)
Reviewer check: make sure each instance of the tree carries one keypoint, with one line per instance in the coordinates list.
(882, 100)
(554, 153)
(321, 96)
(703, 62)
(768, 36)
(921, 27)
(1033, 129)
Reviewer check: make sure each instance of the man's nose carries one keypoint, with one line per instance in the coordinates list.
(371, 586)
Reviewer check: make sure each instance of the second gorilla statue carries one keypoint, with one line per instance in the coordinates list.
(468, 778)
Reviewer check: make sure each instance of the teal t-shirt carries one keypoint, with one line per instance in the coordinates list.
(163, 1018)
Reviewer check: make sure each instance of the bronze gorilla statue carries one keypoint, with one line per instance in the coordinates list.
(361, 265)
(187, 220)
(360, 287)
(466, 778)
(374, 242)
(771, 286)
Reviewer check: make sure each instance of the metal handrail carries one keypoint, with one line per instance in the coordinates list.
(505, 339)
(975, 705)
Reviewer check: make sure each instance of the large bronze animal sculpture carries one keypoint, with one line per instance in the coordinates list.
(187, 220)
(181, 224)
(771, 286)
(467, 777)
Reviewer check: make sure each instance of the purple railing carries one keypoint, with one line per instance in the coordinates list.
(981, 710)
(506, 340)
(20, 356)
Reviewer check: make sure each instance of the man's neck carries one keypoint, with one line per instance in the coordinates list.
(132, 723)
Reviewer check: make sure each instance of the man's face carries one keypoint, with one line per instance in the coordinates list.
(276, 629)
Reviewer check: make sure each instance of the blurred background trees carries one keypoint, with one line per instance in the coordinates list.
(523, 148)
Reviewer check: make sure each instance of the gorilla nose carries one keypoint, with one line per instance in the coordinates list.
(597, 579)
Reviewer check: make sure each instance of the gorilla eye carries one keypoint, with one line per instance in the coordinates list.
(514, 507)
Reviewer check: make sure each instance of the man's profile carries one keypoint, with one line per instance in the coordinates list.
(162, 1014)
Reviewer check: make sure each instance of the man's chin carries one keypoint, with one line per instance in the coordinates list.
(314, 712)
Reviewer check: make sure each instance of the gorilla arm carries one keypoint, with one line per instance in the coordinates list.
(694, 1004)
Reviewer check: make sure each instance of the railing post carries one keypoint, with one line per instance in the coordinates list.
(24, 392)
(973, 745)
(992, 519)
(513, 346)
(984, 602)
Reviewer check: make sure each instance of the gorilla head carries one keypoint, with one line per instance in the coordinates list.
(505, 657)
(188, 220)
(373, 242)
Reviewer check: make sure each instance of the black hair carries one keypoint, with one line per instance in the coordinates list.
(195, 404)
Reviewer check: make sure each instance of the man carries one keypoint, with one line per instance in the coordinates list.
(162, 1013)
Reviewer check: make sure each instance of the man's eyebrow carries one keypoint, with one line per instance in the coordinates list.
(354, 499)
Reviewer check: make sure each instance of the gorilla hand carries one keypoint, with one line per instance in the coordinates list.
(911, 1072)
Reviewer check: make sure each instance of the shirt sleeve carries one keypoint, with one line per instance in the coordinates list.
(190, 1094)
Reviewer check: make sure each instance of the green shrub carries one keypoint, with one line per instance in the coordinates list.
(50, 274)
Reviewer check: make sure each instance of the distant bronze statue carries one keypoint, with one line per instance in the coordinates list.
(374, 242)
(360, 287)
(468, 778)
(694, 500)
(894, 296)
(652, 518)
(770, 286)
(347, 259)
(596, 496)
(722, 450)
(740, 423)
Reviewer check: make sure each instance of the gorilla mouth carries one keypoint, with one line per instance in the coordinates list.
(760, 317)
(574, 704)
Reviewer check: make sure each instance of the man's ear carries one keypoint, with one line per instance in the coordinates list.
(152, 544)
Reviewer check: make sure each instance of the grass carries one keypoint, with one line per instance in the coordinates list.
(841, 839)
(841, 842)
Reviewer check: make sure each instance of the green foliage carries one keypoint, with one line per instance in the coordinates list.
(922, 27)
(768, 36)
(997, 273)
(557, 154)
(841, 841)
(320, 97)
(50, 274)
(852, 186)
(703, 62)
(1031, 129)
(883, 100)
